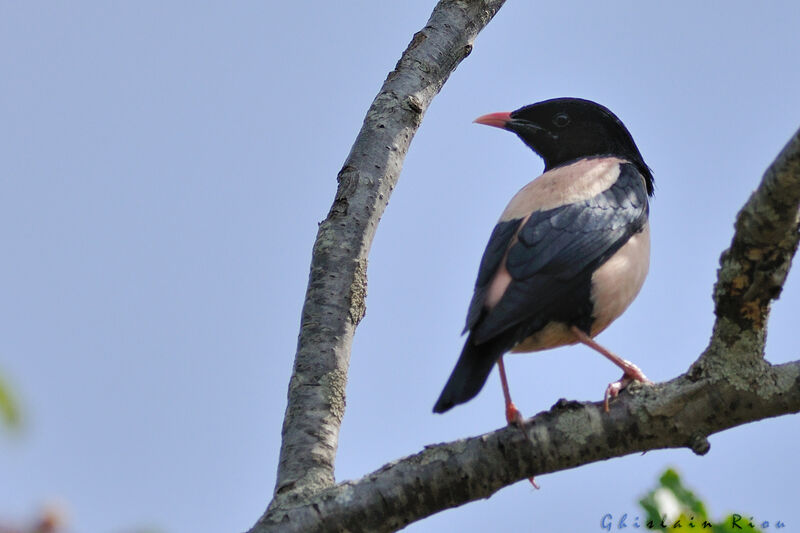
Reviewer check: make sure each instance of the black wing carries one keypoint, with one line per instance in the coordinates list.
(498, 244)
(556, 252)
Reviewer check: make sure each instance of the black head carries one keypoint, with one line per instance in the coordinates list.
(565, 129)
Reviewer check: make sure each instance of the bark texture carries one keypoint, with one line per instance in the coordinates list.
(753, 270)
(335, 299)
(680, 413)
(730, 384)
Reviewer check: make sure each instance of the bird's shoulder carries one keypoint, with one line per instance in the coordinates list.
(551, 240)
(564, 185)
(563, 240)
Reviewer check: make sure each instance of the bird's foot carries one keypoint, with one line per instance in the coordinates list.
(513, 416)
(613, 389)
(632, 373)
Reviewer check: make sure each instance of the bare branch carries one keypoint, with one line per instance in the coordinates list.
(754, 269)
(680, 413)
(730, 384)
(335, 300)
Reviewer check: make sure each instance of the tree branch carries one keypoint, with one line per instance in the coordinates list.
(753, 270)
(335, 299)
(729, 385)
(676, 414)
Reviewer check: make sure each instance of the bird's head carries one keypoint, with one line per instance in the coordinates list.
(566, 129)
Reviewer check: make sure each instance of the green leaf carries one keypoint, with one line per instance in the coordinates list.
(650, 507)
(9, 411)
(672, 481)
(671, 494)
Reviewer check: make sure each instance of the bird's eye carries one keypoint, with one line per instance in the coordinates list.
(561, 120)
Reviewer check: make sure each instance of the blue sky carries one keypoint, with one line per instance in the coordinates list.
(163, 169)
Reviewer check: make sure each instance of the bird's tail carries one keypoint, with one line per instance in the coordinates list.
(471, 372)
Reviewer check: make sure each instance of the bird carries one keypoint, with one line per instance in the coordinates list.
(569, 253)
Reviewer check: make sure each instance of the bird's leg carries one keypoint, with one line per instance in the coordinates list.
(630, 371)
(513, 416)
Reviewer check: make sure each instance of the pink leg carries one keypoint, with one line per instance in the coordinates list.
(513, 416)
(630, 371)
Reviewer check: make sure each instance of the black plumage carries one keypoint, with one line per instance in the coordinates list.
(556, 253)
(537, 285)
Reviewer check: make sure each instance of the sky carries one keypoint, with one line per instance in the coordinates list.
(163, 169)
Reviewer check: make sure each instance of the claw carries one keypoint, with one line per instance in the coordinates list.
(613, 389)
(627, 378)
(630, 371)
(513, 416)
